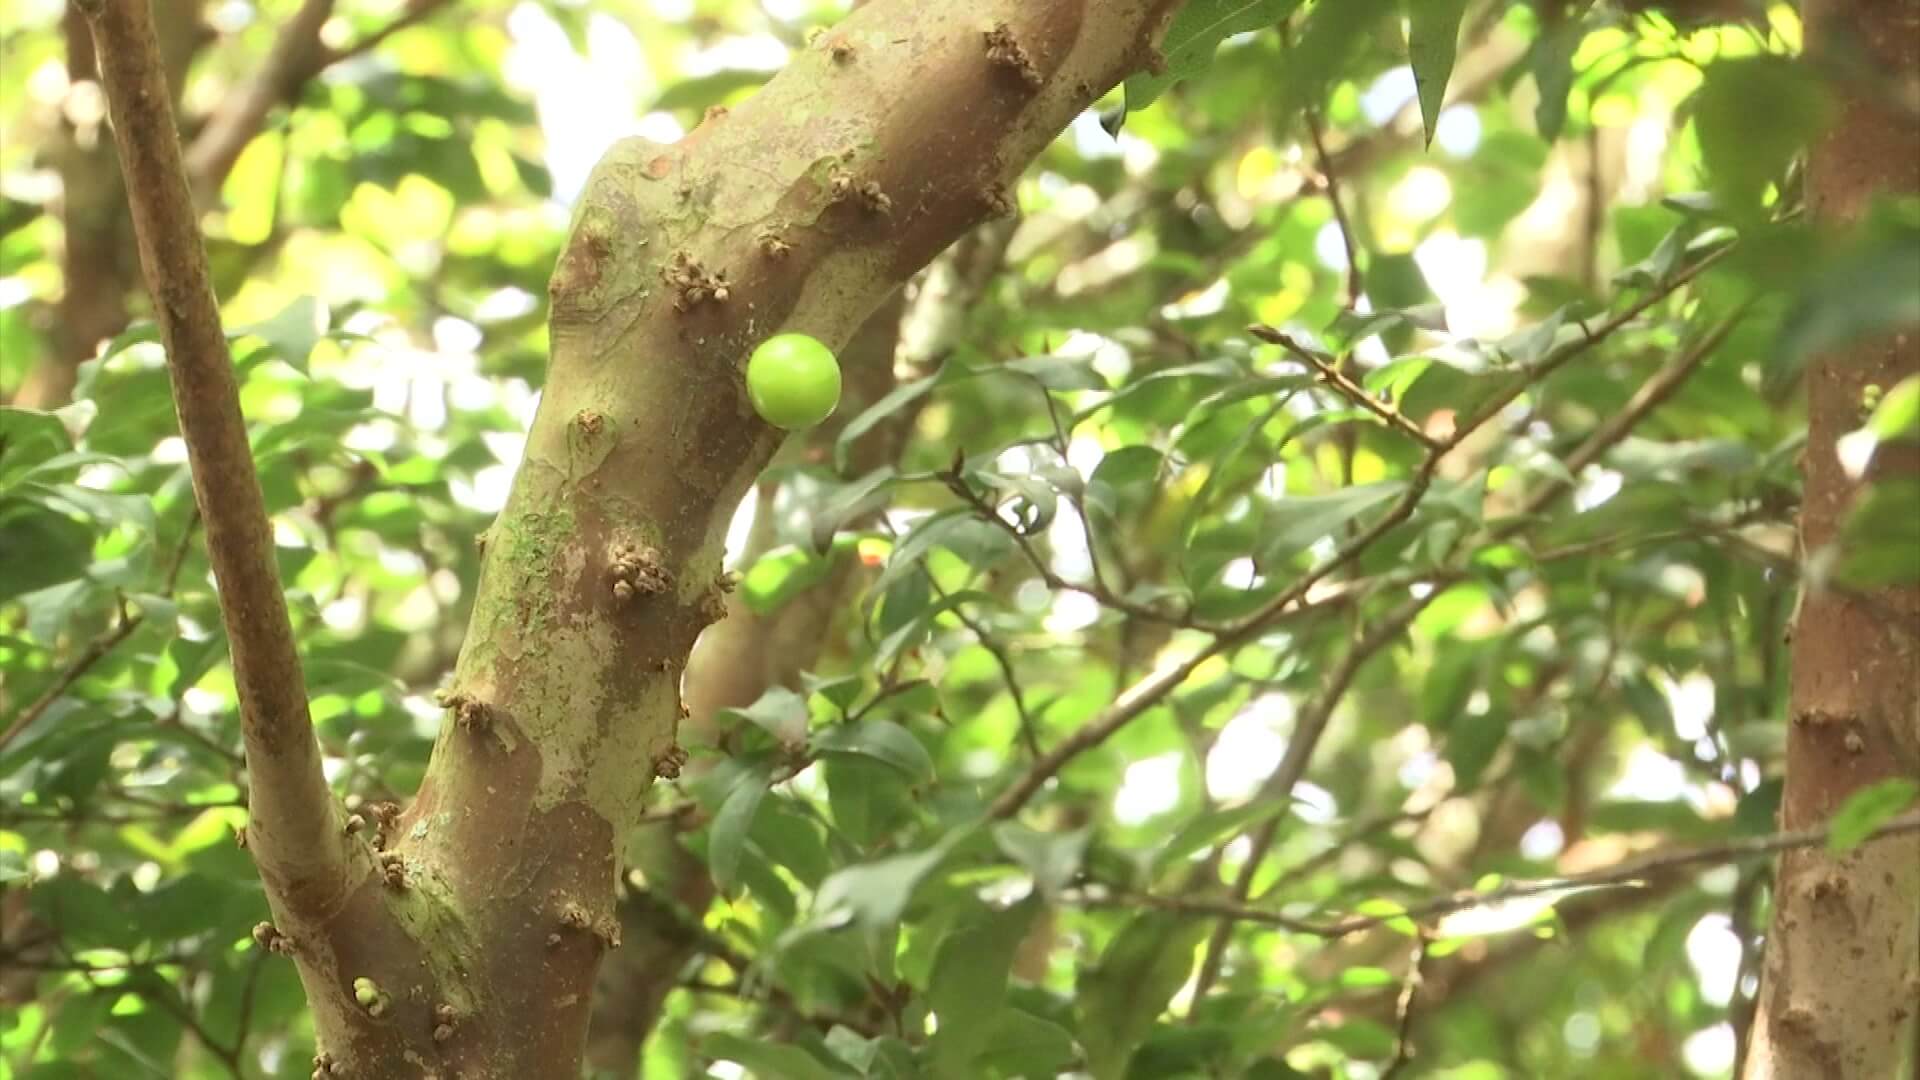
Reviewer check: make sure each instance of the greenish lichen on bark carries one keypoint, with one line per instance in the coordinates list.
(799, 210)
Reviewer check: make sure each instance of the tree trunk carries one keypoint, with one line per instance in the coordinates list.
(1842, 978)
(465, 940)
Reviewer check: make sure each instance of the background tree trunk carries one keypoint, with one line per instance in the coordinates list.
(1842, 976)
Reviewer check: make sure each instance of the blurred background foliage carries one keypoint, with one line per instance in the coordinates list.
(1103, 469)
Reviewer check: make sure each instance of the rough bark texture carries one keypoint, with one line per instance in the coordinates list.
(800, 211)
(743, 655)
(1842, 976)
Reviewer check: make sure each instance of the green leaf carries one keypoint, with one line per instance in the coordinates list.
(779, 712)
(872, 895)
(1552, 68)
(1052, 858)
(1141, 969)
(895, 400)
(293, 331)
(1870, 288)
(1867, 809)
(782, 574)
(770, 1060)
(1880, 541)
(881, 740)
(1213, 826)
(916, 629)
(727, 838)
(1897, 416)
(1433, 34)
(1742, 156)
(1296, 522)
(1023, 1044)
(1195, 35)
(968, 987)
(847, 502)
(28, 438)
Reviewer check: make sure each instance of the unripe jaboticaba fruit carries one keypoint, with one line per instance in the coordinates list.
(794, 381)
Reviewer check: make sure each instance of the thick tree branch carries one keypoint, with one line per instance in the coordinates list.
(297, 57)
(295, 836)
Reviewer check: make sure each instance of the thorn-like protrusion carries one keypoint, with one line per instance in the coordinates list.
(772, 244)
(393, 869)
(268, 936)
(693, 283)
(469, 712)
(998, 201)
(876, 200)
(325, 1065)
(636, 570)
(575, 918)
(589, 421)
(668, 764)
(1005, 51)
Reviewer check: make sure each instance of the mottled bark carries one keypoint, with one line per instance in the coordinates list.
(743, 655)
(898, 130)
(1841, 993)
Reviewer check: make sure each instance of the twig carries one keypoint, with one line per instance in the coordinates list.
(1627, 872)
(1148, 691)
(297, 57)
(1343, 384)
(1330, 179)
(1312, 724)
(1403, 1007)
(1029, 735)
(99, 647)
(301, 848)
(123, 627)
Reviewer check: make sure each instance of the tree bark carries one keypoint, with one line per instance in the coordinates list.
(467, 943)
(1841, 993)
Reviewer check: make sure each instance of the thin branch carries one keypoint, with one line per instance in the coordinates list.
(1312, 724)
(299, 845)
(97, 649)
(1343, 384)
(124, 624)
(1403, 1007)
(297, 57)
(1629, 872)
(1029, 734)
(1330, 180)
(1150, 690)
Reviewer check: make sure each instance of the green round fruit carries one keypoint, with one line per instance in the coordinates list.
(794, 381)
